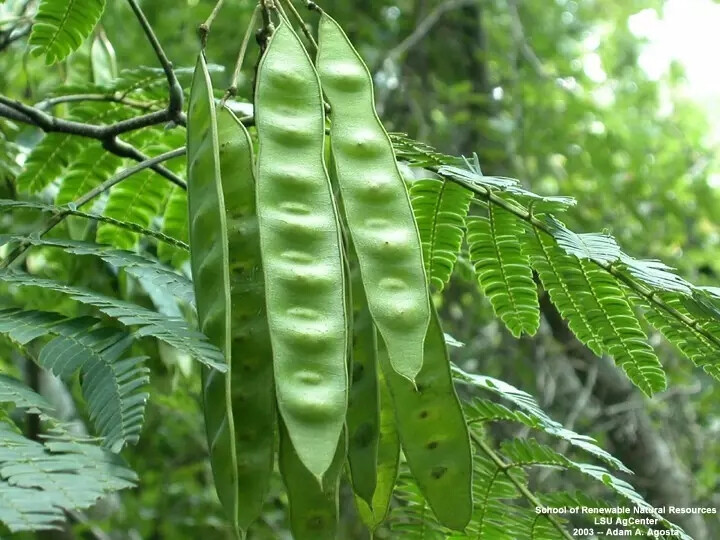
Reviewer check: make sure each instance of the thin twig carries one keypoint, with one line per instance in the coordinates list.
(303, 26)
(176, 93)
(580, 403)
(12, 36)
(424, 27)
(204, 28)
(90, 195)
(94, 531)
(518, 33)
(232, 90)
(112, 98)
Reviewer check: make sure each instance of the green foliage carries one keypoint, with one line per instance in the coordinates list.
(61, 26)
(39, 480)
(174, 225)
(440, 210)
(503, 269)
(143, 267)
(526, 261)
(581, 272)
(176, 243)
(172, 330)
(110, 386)
(505, 506)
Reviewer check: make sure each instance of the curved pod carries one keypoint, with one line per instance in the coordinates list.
(227, 277)
(301, 250)
(314, 507)
(376, 202)
(252, 395)
(209, 259)
(433, 432)
(363, 416)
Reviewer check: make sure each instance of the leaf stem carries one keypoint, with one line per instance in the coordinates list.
(490, 197)
(204, 28)
(298, 18)
(90, 195)
(522, 488)
(232, 89)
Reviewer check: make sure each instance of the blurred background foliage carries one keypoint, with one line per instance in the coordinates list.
(548, 91)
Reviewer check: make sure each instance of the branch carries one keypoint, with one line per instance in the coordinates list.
(111, 98)
(90, 195)
(15, 110)
(424, 27)
(176, 93)
(123, 149)
(52, 124)
(204, 28)
(12, 36)
(648, 295)
(518, 33)
(522, 488)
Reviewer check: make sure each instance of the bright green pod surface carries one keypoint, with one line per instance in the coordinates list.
(314, 508)
(253, 398)
(388, 462)
(363, 416)
(377, 205)
(209, 258)
(301, 250)
(433, 432)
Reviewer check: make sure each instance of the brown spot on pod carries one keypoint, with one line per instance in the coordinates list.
(438, 472)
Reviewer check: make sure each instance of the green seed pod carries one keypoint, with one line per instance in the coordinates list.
(252, 392)
(209, 258)
(363, 416)
(433, 432)
(301, 250)
(388, 461)
(227, 272)
(314, 507)
(376, 202)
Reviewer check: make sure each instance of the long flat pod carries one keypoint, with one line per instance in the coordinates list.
(314, 507)
(301, 250)
(363, 415)
(253, 398)
(209, 258)
(433, 432)
(388, 462)
(376, 202)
